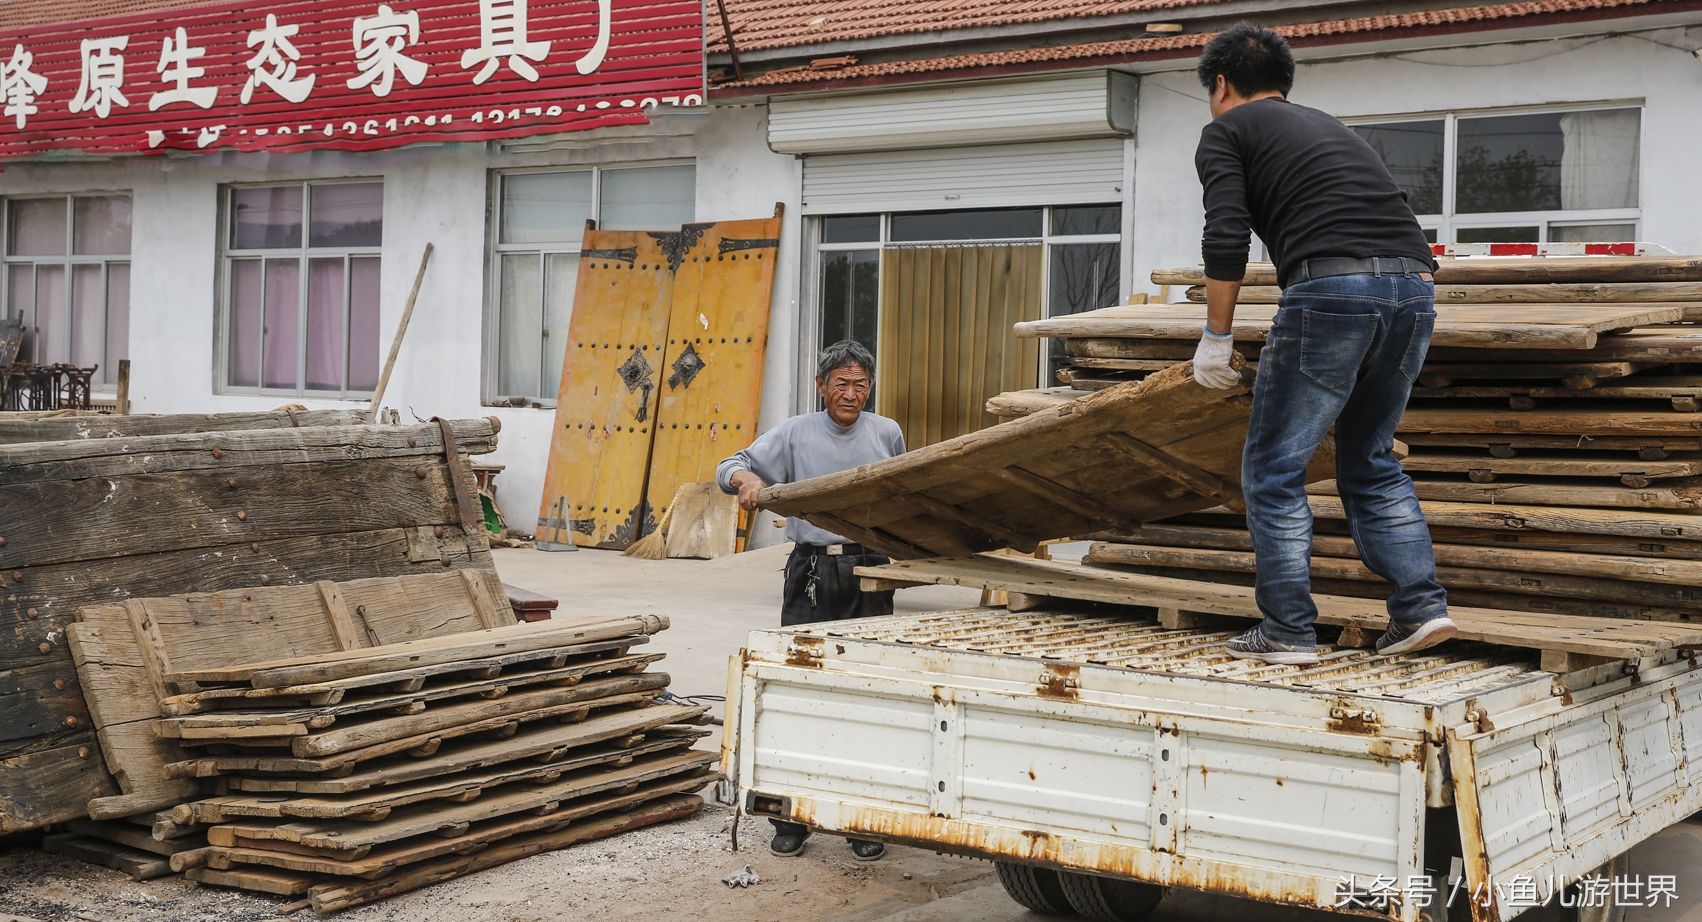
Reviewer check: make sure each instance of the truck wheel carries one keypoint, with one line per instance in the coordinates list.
(1609, 911)
(1105, 899)
(1035, 889)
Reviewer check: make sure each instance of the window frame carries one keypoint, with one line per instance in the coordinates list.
(1449, 222)
(812, 293)
(495, 250)
(304, 254)
(105, 380)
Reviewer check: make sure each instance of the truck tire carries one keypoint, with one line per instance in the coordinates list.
(1035, 889)
(1612, 911)
(1106, 899)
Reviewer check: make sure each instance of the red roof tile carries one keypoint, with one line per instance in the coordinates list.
(759, 24)
(1461, 19)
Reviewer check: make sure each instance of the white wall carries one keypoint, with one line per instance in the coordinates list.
(432, 193)
(1168, 214)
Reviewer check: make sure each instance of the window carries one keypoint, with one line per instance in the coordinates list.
(301, 279)
(1082, 267)
(1545, 176)
(66, 263)
(539, 224)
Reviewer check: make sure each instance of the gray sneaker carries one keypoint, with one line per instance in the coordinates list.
(1411, 638)
(1255, 645)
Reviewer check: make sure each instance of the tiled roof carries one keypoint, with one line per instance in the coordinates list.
(15, 14)
(759, 24)
(1460, 19)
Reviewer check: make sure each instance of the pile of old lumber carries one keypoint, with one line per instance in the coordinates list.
(95, 510)
(380, 735)
(1553, 437)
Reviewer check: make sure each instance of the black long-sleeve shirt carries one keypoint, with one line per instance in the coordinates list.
(1308, 185)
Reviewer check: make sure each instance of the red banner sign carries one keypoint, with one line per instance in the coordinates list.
(348, 74)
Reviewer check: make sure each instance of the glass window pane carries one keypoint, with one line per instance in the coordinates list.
(545, 207)
(88, 316)
(1598, 168)
(990, 224)
(247, 296)
(1087, 219)
(850, 296)
(1496, 235)
(100, 225)
(364, 329)
(20, 292)
(648, 198)
(1430, 234)
(1413, 153)
(1084, 277)
(282, 330)
(1592, 233)
(347, 214)
(38, 227)
(862, 228)
(521, 322)
(51, 343)
(117, 320)
(562, 277)
(1509, 163)
(325, 289)
(266, 219)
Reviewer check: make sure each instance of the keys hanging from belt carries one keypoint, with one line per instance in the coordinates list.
(810, 581)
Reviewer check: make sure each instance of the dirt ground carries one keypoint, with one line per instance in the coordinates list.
(674, 872)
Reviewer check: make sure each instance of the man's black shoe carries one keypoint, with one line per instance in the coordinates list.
(788, 843)
(867, 851)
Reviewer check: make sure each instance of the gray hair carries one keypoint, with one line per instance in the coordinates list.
(843, 353)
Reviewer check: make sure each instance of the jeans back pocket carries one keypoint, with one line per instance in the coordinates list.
(1418, 345)
(1333, 346)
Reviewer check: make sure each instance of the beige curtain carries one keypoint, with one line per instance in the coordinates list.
(945, 334)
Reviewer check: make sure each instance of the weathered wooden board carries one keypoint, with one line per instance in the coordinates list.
(1629, 523)
(710, 379)
(1510, 444)
(138, 864)
(1629, 471)
(1566, 420)
(131, 835)
(66, 546)
(1552, 293)
(1682, 392)
(329, 898)
(1121, 456)
(1502, 271)
(52, 429)
(256, 879)
(1608, 637)
(611, 375)
(1520, 326)
(1674, 496)
(1674, 343)
(124, 653)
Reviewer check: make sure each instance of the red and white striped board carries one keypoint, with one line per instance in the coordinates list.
(1549, 249)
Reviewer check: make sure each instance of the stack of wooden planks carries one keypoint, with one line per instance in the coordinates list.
(1553, 437)
(96, 510)
(358, 763)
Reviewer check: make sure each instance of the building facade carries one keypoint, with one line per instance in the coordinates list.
(942, 178)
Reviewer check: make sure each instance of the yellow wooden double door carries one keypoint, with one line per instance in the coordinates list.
(662, 375)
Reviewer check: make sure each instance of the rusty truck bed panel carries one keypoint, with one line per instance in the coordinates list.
(1116, 746)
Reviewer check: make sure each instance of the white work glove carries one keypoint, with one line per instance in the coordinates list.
(1211, 360)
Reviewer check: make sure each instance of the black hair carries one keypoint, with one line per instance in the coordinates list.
(1251, 57)
(843, 353)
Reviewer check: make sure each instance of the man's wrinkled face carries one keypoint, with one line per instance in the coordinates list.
(844, 392)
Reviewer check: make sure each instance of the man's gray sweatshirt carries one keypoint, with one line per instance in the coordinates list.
(810, 446)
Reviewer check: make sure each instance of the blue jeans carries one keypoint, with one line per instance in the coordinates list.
(1344, 352)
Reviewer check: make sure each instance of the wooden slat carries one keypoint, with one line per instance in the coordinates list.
(1592, 636)
(1503, 271)
(1551, 293)
(15, 431)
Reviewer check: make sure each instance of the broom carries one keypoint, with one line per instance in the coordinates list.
(654, 546)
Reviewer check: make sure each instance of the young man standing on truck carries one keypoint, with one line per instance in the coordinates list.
(1357, 309)
(820, 583)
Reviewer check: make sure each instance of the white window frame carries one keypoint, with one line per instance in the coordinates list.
(807, 399)
(304, 253)
(496, 250)
(1449, 222)
(106, 378)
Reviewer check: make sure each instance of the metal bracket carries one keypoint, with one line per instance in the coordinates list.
(471, 521)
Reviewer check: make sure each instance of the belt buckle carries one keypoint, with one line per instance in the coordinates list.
(834, 550)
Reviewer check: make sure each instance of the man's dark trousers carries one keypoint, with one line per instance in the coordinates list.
(825, 587)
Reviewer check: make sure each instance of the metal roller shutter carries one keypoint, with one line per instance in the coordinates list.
(1001, 175)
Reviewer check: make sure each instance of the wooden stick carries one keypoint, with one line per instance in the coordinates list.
(123, 401)
(401, 330)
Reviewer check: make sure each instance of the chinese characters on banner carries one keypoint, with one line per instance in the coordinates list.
(348, 74)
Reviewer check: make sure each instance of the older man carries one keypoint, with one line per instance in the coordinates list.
(821, 584)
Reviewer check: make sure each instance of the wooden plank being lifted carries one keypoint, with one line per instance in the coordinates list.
(1608, 637)
(1517, 270)
(1522, 326)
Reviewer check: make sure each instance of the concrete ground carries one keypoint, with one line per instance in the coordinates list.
(673, 872)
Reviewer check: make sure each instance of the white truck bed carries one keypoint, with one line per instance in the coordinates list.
(1112, 746)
